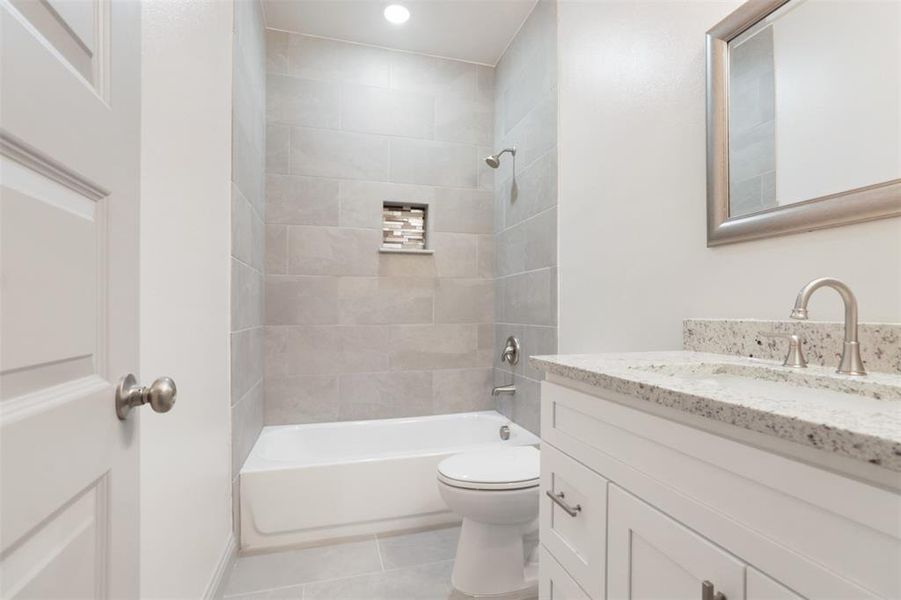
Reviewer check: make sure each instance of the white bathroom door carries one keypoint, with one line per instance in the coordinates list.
(69, 187)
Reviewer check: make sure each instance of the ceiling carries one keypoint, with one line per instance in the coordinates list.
(470, 30)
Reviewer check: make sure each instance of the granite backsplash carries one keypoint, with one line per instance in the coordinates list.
(880, 343)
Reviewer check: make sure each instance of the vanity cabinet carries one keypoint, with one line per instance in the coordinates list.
(653, 556)
(666, 505)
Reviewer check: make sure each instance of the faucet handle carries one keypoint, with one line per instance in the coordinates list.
(795, 357)
(510, 353)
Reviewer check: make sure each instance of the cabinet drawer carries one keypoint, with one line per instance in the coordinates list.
(555, 583)
(761, 587)
(578, 541)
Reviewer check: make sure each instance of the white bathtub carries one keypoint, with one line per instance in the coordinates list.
(309, 483)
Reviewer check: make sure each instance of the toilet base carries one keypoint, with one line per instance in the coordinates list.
(491, 562)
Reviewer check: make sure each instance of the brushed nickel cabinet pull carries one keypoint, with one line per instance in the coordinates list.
(558, 500)
(707, 592)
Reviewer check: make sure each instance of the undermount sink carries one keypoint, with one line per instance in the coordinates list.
(775, 382)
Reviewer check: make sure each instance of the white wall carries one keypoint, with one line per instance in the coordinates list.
(633, 261)
(826, 117)
(186, 168)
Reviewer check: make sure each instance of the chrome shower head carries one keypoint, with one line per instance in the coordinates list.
(494, 161)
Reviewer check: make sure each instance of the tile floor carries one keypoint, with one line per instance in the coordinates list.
(408, 566)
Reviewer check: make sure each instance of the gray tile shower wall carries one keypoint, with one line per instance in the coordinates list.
(525, 213)
(752, 125)
(352, 333)
(248, 200)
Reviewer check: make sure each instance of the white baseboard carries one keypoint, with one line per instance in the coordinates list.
(214, 588)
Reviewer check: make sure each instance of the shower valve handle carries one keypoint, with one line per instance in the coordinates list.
(510, 353)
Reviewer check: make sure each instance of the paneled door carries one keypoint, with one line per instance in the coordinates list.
(651, 557)
(69, 186)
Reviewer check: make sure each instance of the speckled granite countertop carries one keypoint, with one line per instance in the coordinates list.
(813, 407)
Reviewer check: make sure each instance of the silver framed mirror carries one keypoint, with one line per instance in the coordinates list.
(803, 117)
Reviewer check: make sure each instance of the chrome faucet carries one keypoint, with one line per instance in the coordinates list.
(850, 363)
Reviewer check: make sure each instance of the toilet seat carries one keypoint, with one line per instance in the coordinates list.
(511, 468)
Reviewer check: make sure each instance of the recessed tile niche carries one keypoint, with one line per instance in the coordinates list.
(404, 227)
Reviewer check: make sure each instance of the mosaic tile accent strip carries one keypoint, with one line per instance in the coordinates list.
(880, 343)
(403, 227)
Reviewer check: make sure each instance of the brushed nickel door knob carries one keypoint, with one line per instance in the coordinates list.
(160, 395)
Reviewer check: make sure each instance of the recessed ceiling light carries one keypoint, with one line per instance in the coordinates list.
(397, 14)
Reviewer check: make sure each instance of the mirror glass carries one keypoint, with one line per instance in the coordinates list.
(814, 102)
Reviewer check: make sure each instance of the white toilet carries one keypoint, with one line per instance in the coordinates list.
(496, 493)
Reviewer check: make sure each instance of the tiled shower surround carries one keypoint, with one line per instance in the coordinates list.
(248, 233)
(352, 333)
(526, 207)
(752, 125)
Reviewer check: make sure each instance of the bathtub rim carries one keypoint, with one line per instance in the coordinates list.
(249, 466)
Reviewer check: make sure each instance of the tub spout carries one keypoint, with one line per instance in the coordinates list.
(504, 389)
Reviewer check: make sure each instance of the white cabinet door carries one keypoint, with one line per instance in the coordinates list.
(761, 587)
(69, 185)
(651, 556)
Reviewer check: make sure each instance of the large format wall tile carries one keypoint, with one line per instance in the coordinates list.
(457, 390)
(352, 332)
(297, 200)
(252, 144)
(325, 60)
(246, 296)
(464, 120)
(333, 251)
(385, 300)
(456, 254)
(247, 421)
(433, 163)
(525, 220)
(535, 192)
(464, 301)
(541, 240)
(407, 265)
(531, 298)
(278, 148)
(302, 102)
(362, 201)
(276, 249)
(246, 361)
(326, 350)
(381, 395)
(301, 399)
(247, 167)
(432, 75)
(296, 300)
(535, 134)
(247, 230)
(388, 112)
(329, 153)
(462, 211)
(447, 346)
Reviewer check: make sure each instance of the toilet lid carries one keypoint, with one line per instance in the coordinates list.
(510, 468)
